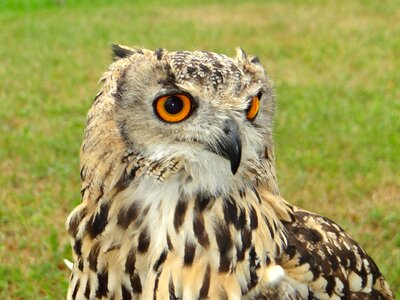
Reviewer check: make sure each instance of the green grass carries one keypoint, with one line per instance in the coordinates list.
(336, 69)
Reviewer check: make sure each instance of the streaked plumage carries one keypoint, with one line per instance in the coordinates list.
(192, 210)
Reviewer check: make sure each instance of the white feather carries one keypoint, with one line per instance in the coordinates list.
(69, 264)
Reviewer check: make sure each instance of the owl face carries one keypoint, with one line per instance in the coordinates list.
(212, 111)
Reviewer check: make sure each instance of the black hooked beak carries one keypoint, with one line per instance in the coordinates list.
(229, 145)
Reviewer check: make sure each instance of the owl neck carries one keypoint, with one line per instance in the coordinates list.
(150, 223)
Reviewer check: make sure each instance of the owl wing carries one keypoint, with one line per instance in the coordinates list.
(322, 261)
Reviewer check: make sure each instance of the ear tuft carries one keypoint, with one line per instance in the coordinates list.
(255, 60)
(159, 53)
(120, 51)
(240, 54)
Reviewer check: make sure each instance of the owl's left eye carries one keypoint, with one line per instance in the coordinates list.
(173, 108)
(252, 110)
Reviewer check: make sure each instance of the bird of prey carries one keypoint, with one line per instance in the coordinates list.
(180, 198)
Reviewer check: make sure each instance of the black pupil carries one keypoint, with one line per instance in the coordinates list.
(173, 105)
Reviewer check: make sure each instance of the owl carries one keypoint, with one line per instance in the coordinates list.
(180, 198)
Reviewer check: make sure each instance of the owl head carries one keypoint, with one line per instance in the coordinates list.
(211, 112)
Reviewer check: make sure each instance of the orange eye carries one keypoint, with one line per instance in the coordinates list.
(252, 110)
(173, 108)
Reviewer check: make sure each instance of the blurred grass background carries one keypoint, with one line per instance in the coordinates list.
(336, 69)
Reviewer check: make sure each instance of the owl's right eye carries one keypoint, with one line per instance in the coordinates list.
(173, 108)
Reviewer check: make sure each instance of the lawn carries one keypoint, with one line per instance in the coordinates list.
(335, 65)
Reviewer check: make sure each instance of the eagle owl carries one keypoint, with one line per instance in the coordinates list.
(180, 198)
